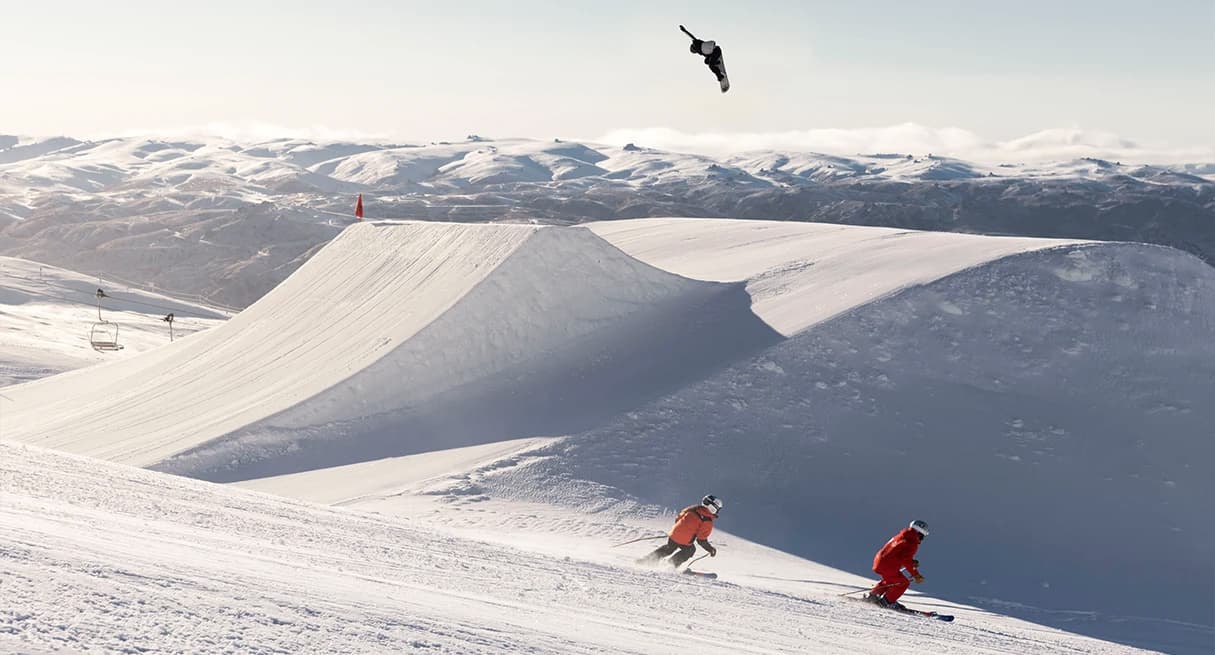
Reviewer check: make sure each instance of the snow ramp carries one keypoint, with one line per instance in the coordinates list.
(400, 338)
(801, 274)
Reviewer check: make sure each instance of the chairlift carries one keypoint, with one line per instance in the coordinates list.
(104, 334)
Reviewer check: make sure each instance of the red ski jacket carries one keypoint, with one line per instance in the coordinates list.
(899, 552)
(693, 523)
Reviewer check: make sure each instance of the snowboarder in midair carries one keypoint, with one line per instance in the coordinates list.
(896, 556)
(693, 526)
(713, 59)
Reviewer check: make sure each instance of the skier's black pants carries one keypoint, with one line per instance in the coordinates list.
(671, 546)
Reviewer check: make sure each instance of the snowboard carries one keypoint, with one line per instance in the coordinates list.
(725, 79)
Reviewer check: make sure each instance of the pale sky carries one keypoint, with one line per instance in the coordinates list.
(546, 68)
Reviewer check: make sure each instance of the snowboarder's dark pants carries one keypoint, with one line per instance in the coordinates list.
(714, 62)
(684, 552)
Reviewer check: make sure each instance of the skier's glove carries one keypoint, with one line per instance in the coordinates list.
(919, 579)
(712, 550)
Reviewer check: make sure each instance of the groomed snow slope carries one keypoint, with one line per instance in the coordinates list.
(103, 558)
(371, 289)
(1003, 394)
(566, 333)
(1049, 414)
(401, 338)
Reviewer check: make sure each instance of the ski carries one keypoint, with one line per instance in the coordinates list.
(925, 613)
(903, 609)
(700, 574)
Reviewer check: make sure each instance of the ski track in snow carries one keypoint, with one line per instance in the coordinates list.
(104, 558)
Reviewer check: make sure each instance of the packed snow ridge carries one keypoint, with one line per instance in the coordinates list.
(231, 220)
(526, 384)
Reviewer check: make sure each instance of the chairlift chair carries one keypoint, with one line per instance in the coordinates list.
(104, 336)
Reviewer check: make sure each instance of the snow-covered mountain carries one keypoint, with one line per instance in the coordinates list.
(543, 392)
(251, 213)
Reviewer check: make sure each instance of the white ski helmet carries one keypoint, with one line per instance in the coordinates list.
(706, 47)
(920, 527)
(712, 503)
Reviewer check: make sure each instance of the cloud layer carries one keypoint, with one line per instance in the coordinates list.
(911, 138)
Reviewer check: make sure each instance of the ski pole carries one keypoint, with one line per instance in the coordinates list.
(685, 31)
(689, 564)
(633, 541)
(869, 589)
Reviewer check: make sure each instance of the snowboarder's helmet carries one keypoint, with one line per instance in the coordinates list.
(706, 48)
(920, 527)
(712, 503)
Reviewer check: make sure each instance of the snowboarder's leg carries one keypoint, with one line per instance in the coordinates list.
(661, 552)
(685, 553)
(716, 63)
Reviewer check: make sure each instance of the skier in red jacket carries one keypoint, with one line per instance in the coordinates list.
(693, 526)
(898, 554)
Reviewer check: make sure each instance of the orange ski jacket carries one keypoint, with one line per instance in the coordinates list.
(694, 523)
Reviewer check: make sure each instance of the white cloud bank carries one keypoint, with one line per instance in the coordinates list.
(911, 138)
(254, 131)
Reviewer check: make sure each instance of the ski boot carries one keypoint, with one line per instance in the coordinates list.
(876, 599)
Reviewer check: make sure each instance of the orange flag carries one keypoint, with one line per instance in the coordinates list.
(358, 207)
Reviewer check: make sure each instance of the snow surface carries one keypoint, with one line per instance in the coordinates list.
(49, 313)
(799, 274)
(336, 316)
(1049, 411)
(104, 558)
(545, 391)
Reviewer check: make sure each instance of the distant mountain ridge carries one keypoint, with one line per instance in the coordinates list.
(230, 219)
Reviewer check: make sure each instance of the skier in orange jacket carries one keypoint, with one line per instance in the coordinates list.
(693, 526)
(889, 562)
